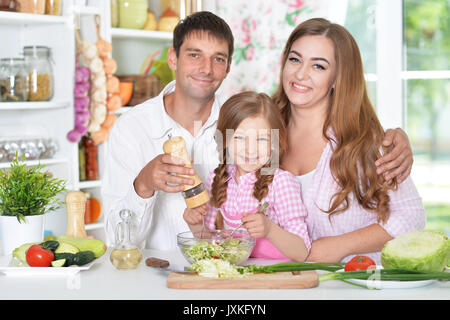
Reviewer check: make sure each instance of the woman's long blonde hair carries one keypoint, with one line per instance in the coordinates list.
(357, 131)
(237, 108)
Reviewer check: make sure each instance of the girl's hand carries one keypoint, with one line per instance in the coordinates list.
(194, 216)
(257, 224)
(398, 162)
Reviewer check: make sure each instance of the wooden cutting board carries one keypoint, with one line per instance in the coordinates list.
(277, 280)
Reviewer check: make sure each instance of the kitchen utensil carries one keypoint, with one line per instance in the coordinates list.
(76, 206)
(165, 265)
(194, 195)
(261, 209)
(236, 253)
(276, 280)
(203, 227)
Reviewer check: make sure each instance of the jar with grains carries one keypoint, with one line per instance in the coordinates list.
(31, 6)
(40, 72)
(13, 80)
(53, 7)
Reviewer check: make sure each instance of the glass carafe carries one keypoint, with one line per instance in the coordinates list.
(40, 72)
(126, 255)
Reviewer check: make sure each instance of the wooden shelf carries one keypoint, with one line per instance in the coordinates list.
(17, 18)
(120, 33)
(90, 184)
(34, 105)
(88, 10)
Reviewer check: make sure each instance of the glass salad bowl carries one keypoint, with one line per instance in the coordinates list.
(216, 245)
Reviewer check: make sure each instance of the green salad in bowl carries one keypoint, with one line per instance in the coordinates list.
(216, 245)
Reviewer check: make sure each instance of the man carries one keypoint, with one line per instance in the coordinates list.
(139, 177)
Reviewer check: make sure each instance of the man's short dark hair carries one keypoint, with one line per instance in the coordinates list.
(203, 21)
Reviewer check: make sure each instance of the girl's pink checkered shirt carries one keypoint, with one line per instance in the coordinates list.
(286, 208)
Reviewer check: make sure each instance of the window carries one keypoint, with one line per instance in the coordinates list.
(405, 47)
(426, 82)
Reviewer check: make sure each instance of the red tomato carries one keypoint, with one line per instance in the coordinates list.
(360, 263)
(37, 256)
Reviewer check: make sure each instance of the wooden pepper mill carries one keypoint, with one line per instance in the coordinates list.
(76, 206)
(195, 195)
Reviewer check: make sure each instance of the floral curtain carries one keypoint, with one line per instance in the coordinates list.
(261, 29)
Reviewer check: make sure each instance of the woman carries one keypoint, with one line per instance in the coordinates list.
(334, 139)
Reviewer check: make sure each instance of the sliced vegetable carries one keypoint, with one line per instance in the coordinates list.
(360, 263)
(215, 268)
(232, 250)
(66, 247)
(98, 247)
(58, 263)
(37, 256)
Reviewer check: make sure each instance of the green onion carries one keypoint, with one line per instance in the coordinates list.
(386, 274)
(292, 266)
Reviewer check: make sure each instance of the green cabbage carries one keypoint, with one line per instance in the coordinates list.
(424, 250)
(215, 268)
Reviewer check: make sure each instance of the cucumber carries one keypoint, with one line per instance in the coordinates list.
(69, 257)
(83, 257)
(80, 258)
(58, 263)
(51, 245)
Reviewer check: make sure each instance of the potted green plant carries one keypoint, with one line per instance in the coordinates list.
(26, 194)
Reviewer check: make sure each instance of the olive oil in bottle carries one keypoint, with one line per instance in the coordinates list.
(126, 258)
(125, 255)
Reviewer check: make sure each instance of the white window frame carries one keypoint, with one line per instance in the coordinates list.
(391, 66)
(390, 102)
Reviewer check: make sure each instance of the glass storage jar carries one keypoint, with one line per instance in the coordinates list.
(13, 80)
(53, 7)
(40, 73)
(31, 6)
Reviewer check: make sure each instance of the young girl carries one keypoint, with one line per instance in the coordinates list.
(246, 178)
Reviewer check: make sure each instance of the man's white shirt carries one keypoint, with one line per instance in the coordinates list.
(136, 138)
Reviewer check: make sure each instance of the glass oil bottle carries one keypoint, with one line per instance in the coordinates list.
(125, 255)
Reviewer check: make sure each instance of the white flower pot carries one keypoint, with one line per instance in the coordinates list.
(13, 234)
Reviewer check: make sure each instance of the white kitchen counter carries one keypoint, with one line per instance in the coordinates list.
(103, 281)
